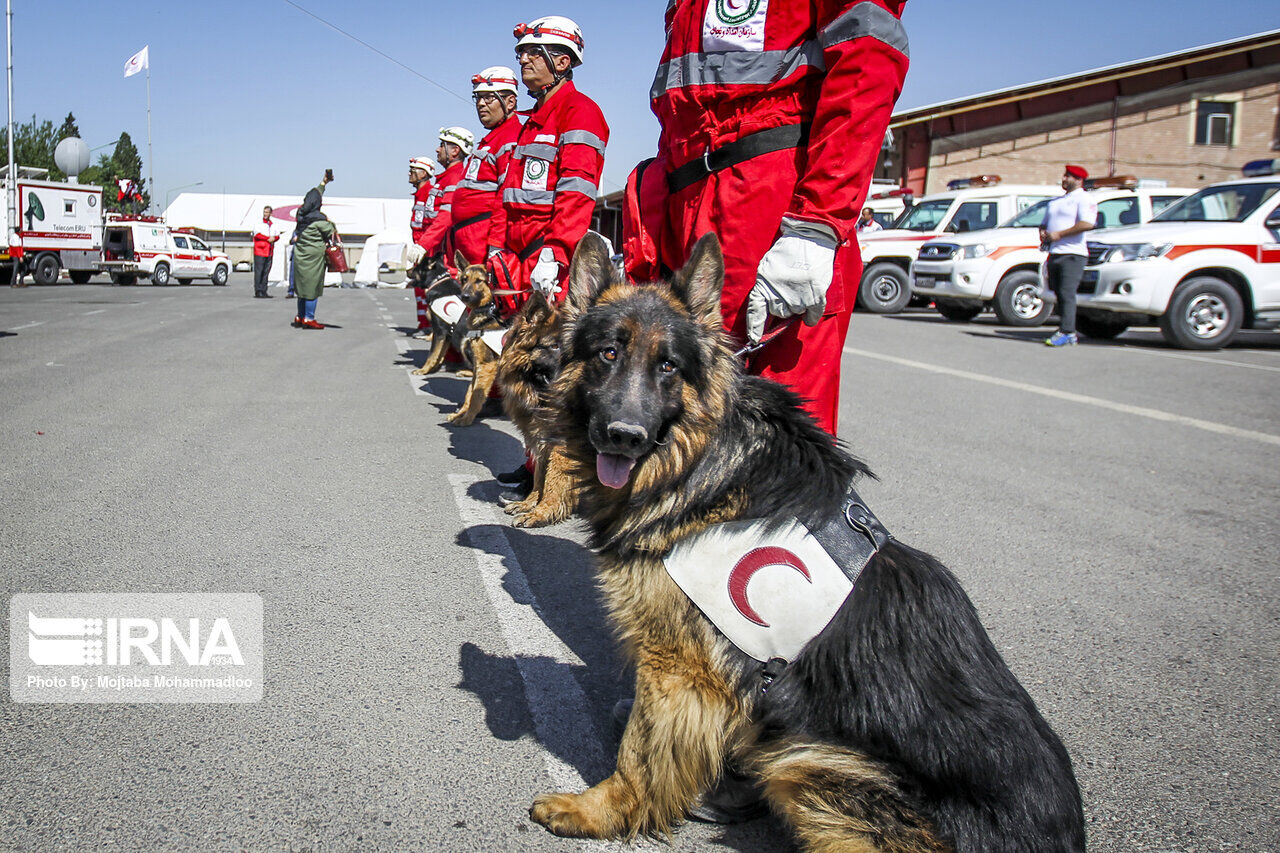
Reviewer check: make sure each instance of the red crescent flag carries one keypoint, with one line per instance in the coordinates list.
(137, 62)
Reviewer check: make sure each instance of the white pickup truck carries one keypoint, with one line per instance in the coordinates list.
(887, 255)
(964, 273)
(1202, 269)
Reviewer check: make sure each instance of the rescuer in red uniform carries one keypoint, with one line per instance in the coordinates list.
(550, 189)
(773, 115)
(478, 227)
(420, 171)
(455, 145)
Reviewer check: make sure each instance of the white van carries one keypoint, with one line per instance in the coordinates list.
(144, 246)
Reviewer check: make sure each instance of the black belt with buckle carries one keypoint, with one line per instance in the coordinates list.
(744, 149)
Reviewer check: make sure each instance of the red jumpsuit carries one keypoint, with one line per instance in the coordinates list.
(478, 222)
(550, 190)
(418, 226)
(819, 79)
(439, 214)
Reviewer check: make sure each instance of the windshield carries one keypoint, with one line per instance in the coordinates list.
(1231, 203)
(925, 216)
(1032, 217)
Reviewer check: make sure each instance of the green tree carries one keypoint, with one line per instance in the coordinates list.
(123, 162)
(33, 144)
(69, 128)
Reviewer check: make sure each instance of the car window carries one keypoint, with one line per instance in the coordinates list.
(1117, 211)
(198, 246)
(1026, 201)
(1160, 202)
(975, 216)
(1230, 203)
(1032, 217)
(925, 216)
(180, 242)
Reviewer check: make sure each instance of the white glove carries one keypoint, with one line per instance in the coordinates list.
(546, 273)
(793, 276)
(412, 255)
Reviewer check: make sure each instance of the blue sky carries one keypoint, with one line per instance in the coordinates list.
(260, 97)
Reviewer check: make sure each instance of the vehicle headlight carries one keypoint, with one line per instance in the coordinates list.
(977, 250)
(1137, 251)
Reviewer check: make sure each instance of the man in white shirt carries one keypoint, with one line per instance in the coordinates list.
(1066, 220)
(867, 223)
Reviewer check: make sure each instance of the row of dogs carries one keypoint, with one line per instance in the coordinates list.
(897, 728)
(525, 369)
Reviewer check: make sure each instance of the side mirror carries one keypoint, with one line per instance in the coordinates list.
(1273, 221)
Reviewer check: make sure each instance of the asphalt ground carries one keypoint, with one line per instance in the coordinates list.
(1111, 509)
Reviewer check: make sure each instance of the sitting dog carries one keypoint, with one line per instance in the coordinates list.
(897, 727)
(481, 318)
(433, 275)
(530, 361)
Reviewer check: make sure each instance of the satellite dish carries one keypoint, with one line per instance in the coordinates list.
(71, 156)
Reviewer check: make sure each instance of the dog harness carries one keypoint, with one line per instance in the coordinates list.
(772, 585)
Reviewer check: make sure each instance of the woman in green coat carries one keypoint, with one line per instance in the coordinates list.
(313, 236)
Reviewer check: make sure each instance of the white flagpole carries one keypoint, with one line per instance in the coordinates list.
(151, 176)
(11, 219)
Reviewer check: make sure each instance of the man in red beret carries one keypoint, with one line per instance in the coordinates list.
(1066, 220)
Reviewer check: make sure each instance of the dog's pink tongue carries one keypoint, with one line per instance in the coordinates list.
(614, 470)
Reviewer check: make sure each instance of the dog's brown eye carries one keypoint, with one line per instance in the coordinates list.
(609, 354)
(667, 367)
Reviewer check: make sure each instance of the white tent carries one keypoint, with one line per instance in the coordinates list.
(385, 247)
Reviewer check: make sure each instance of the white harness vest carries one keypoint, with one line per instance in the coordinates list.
(771, 586)
(449, 309)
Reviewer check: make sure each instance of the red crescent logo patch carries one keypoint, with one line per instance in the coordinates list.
(752, 562)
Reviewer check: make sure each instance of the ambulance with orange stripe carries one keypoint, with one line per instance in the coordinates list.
(1000, 268)
(1202, 269)
(969, 204)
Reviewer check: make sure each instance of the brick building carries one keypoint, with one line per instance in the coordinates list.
(1192, 118)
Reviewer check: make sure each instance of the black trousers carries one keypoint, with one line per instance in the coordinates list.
(261, 266)
(1063, 273)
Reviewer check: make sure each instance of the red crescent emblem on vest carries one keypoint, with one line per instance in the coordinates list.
(752, 562)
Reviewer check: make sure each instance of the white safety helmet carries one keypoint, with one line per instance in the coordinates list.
(552, 31)
(460, 137)
(496, 78)
(422, 163)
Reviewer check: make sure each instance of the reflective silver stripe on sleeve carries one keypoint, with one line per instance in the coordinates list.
(504, 149)
(576, 185)
(514, 195)
(490, 157)
(582, 137)
(734, 68)
(540, 150)
(863, 20)
(445, 207)
(448, 190)
(483, 186)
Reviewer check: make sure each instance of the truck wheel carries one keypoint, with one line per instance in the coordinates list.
(80, 276)
(124, 278)
(958, 312)
(219, 275)
(1018, 302)
(160, 275)
(46, 269)
(1100, 325)
(885, 289)
(1204, 313)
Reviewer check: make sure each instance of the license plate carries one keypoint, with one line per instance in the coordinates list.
(1089, 275)
(924, 281)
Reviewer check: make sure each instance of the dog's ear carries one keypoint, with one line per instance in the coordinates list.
(590, 272)
(536, 309)
(459, 261)
(699, 282)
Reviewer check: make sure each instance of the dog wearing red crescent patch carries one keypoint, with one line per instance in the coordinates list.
(897, 728)
(752, 562)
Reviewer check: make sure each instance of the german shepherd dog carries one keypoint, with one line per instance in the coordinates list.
(530, 362)
(482, 316)
(897, 728)
(432, 274)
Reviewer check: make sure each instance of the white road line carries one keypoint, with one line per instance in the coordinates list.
(556, 702)
(99, 311)
(29, 325)
(416, 383)
(1205, 359)
(1154, 414)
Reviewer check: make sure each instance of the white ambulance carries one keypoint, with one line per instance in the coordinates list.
(970, 204)
(59, 227)
(1000, 268)
(145, 246)
(1203, 269)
